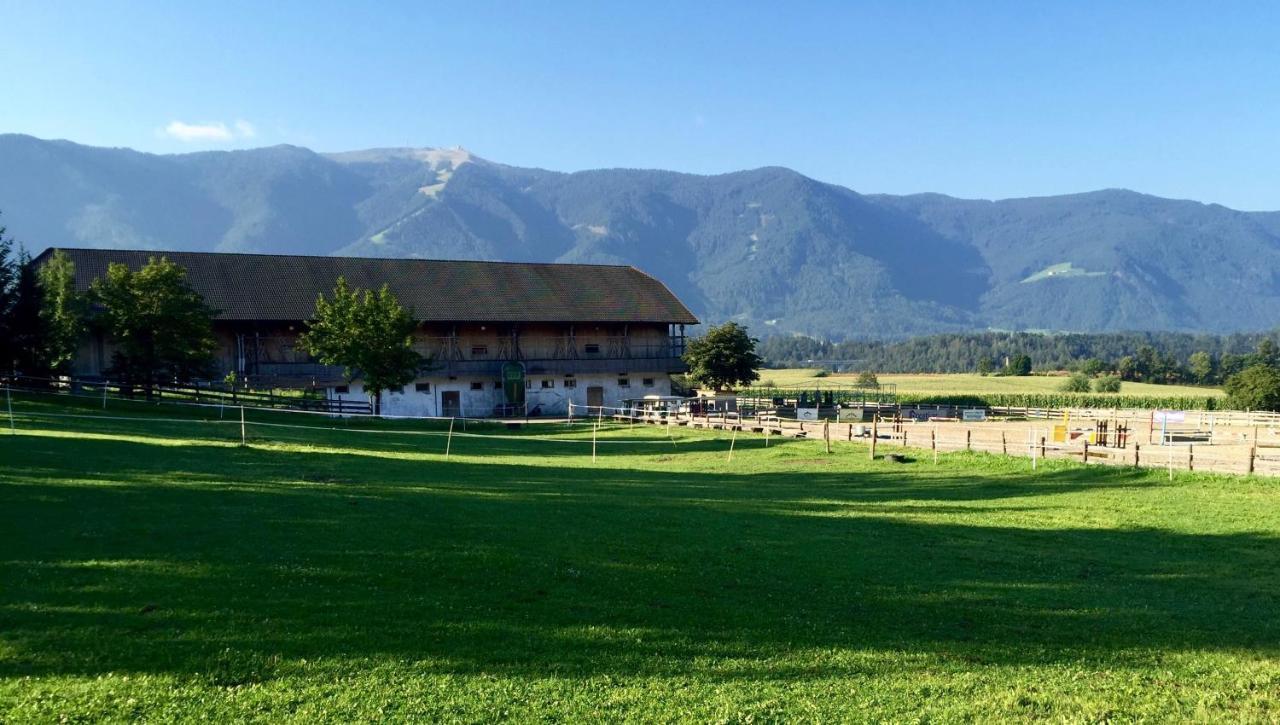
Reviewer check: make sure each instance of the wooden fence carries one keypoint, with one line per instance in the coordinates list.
(1260, 456)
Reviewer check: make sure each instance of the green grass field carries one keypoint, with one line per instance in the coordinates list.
(960, 384)
(156, 571)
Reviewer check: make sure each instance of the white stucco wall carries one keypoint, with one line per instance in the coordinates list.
(553, 401)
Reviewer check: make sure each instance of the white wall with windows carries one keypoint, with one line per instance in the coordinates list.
(482, 397)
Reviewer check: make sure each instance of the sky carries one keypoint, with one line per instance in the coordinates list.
(973, 99)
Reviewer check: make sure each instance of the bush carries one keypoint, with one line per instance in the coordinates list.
(1107, 384)
(821, 374)
(1254, 388)
(868, 379)
(1076, 383)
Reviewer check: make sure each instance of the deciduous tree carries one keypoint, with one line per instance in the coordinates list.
(723, 357)
(161, 328)
(1254, 388)
(369, 335)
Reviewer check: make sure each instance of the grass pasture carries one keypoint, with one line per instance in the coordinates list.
(157, 571)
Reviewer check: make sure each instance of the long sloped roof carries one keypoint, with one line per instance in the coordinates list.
(284, 287)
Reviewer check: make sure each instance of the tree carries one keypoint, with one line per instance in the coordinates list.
(1092, 366)
(985, 365)
(1018, 365)
(1076, 383)
(1201, 365)
(1107, 384)
(369, 335)
(868, 379)
(1127, 368)
(161, 327)
(723, 357)
(1255, 388)
(9, 273)
(61, 312)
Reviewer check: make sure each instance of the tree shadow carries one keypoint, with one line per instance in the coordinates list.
(236, 564)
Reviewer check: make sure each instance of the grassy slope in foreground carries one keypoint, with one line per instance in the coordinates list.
(155, 571)
(962, 384)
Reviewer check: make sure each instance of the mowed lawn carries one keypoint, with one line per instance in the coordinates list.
(961, 384)
(156, 571)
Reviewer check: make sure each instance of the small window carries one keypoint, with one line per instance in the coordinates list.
(591, 349)
(497, 385)
(570, 383)
(648, 382)
(624, 382)
(341, 389)
(477, 386)
(548, 383)
(479, 350)
(422, 387)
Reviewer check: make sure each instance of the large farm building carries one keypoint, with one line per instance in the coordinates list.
(501, 337)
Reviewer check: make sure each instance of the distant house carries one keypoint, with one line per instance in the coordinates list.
(500, 335)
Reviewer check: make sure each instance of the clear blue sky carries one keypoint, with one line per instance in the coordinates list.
(967, 98)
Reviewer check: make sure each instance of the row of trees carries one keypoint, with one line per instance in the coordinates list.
(1146, 356)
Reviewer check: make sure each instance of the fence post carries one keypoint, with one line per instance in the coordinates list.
(1191, 457)
(1004, 445)
(1253, 450)
(1136, 462)
(968, 439)
(594, 430)
(732, 440)
(875, 433)
(933, 442)
(1170, 460)
(826, 434)
(243, 440)
(105, 383)
(1042, 446)
(8, 399)
(1084, 455)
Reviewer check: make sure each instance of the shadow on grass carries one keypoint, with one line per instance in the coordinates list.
(234, 564)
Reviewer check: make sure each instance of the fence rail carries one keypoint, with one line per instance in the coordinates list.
(1255, 455)
(210, 393)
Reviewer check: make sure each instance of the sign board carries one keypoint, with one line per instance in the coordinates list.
(806, 413)
(974, 414)
(1170, 416)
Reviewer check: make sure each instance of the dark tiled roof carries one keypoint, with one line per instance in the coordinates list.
(279, 287)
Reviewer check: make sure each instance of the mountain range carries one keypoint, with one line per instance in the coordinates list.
(769, 247)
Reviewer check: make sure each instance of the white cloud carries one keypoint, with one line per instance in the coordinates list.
(212, 131)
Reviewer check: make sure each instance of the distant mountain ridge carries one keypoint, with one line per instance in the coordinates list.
(769, 247)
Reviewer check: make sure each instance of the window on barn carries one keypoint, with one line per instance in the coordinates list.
(570, 383)
(477, 386)
(341, 389)
(479, 350)
(591, 349)
(548, 383)
(422, 387)
(648, 382)
(624, 382)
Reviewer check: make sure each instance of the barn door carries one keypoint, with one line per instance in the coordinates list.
(595, 396)
(451, 404)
